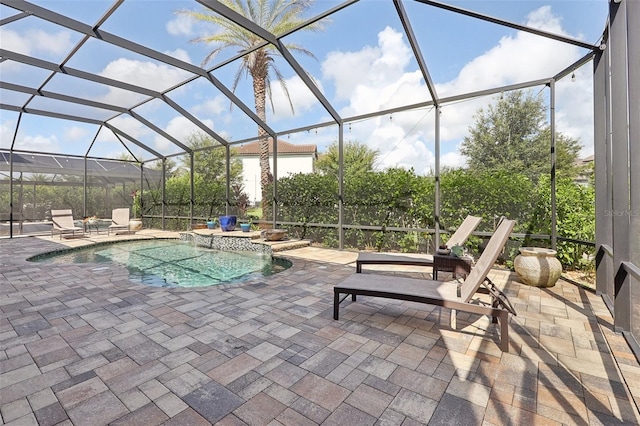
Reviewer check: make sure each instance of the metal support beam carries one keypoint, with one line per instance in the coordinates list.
(164, 194)
(132, 139)
(84, 188)
(194, 120)
(192, 192)
(13, 143)
(436, 205)
(508, 24)
(252, 27)
(633, 70)
(620, 160)
(227, 175)
(60, 97)
(602, 161)
(274, 203)
(341, 186)
(552, 117)
(50, 114)
(159, 131)
(73, 72)
(413, 41)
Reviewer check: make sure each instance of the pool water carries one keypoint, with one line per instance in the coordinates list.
(172, 263)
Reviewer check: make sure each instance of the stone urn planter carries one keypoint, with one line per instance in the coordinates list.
(274, 234)
(537, 267)
(135, 224)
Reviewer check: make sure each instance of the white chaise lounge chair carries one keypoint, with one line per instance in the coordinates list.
(119, 220)
(63, 223)
(468, 225)
(451, 294)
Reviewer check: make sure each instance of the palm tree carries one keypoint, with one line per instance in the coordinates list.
(277, 17)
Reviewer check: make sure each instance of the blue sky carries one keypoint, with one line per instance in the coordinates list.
(363, 63)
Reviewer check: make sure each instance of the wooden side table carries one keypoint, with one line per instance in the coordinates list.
(449, 263)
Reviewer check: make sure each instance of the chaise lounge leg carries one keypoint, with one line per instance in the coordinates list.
(504, 331)
(336, 305)
(494, 305)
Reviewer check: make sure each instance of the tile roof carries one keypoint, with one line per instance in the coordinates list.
(283, 148)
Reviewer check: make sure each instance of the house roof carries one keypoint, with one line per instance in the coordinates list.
(111, 171)
(283, 148)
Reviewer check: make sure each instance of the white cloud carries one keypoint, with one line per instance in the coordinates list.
(301, 97)
(7, 128)
(452, 160)
(179, 54)
(181, 128)
(210, 107)
(15, 42)
(38, 143)
(34, 41)
(131, 127)
(346, 69)
(574, 115)
(357, 74)
(521, 57)
(153, 76)
(75, 133)
(180, 25)
(376, 78)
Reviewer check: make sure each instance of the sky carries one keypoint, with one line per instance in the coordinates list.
(362, 62)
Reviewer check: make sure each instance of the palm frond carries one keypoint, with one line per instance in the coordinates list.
(283, 84)
(276, 17)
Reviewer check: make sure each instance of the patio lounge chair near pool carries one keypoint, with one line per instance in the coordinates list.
(453, 295)
(468, 225)
(119, 220)
(63, 223)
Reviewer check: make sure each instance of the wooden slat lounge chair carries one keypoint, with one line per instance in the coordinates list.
(451, 294)
(119, 220)
(63, 223)
(468, 225)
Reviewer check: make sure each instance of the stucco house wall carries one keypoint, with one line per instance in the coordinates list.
(291, 159)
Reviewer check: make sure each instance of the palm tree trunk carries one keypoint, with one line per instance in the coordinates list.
(259, 74)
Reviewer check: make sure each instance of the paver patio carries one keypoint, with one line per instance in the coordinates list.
(82, 345)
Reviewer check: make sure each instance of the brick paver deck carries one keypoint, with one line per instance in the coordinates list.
(81, 345)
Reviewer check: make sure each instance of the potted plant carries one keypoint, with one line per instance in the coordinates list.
(228, 223)
(135, 224)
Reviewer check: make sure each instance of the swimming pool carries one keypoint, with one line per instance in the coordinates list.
(173, 263)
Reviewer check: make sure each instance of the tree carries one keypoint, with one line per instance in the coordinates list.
(277, 17)
(358, 158)
(513, 136)
(576, 214)
(209, 159)
(209, 171)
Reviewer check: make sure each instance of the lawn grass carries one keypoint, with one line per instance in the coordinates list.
(255, 212)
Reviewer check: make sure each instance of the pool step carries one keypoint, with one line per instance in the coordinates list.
(283, 245)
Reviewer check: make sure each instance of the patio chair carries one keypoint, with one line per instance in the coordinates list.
(452, 294)
(119, 220)
(63, 223)
(468, 225)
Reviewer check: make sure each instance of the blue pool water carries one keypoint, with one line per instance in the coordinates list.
(172, 263)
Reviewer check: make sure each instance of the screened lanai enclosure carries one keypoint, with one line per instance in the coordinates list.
(98, 109)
